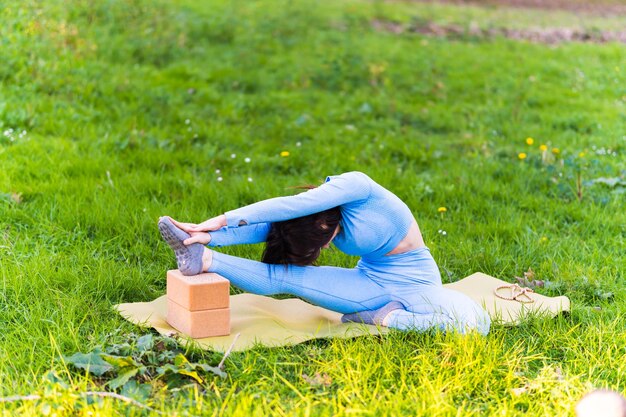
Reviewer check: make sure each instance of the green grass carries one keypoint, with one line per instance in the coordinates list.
(104, 90)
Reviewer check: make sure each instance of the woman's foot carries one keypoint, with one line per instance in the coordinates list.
(190, 259)
(207, 259)
(375, 317)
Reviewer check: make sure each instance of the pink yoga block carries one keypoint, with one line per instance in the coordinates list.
(198, 324)
(198, 292)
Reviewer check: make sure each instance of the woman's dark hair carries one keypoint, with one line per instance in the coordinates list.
(299, 241)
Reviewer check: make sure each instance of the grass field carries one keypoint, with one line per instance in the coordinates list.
(114, 112)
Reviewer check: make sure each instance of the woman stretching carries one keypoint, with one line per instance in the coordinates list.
(396, 283)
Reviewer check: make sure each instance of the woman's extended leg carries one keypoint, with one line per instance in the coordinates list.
(440, 308)
(339, 289)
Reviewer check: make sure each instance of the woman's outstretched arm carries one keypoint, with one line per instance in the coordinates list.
(336, 191)
(226, 236)
(223, 236)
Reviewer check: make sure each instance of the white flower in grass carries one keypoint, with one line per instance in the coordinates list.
(247, 160)
(220, 179)
(298, 144)
(217, 171)
(249, 179)
(187, 121)
(232, 155)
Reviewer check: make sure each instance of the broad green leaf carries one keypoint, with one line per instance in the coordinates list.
(166, 355)
(192, 374)
(145, 342)
(54, 379)
(176, 380)
(120, 362)
(123, 349)
(150, 357)
(180, 360)
(92, 362)
(168, 367)
(122, 379)
(133, 389)
(213, 369)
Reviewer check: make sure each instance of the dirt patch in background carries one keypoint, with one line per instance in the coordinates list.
(597, 7)
(549, 36)
(546, 35)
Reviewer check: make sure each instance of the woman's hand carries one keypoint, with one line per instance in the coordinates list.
(198, 237)
(210, 225)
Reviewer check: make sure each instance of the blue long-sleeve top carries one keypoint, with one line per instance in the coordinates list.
(373, 219)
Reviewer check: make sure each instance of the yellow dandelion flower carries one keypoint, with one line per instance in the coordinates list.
(377, 69)
(530, 141)
(543, 239)
(284, 153)
(442, 209)
(522, 155)
(556, 151)
(581, 155)
(543, 148)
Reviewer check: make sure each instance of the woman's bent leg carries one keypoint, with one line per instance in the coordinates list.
(339, 289)
(440, 308)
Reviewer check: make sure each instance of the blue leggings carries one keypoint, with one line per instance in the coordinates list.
(412, 278)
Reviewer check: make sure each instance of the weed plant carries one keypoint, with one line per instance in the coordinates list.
(113, 113)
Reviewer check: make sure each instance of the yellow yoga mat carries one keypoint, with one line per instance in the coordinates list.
(481, 288)
(257, 320)
(266, 321)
